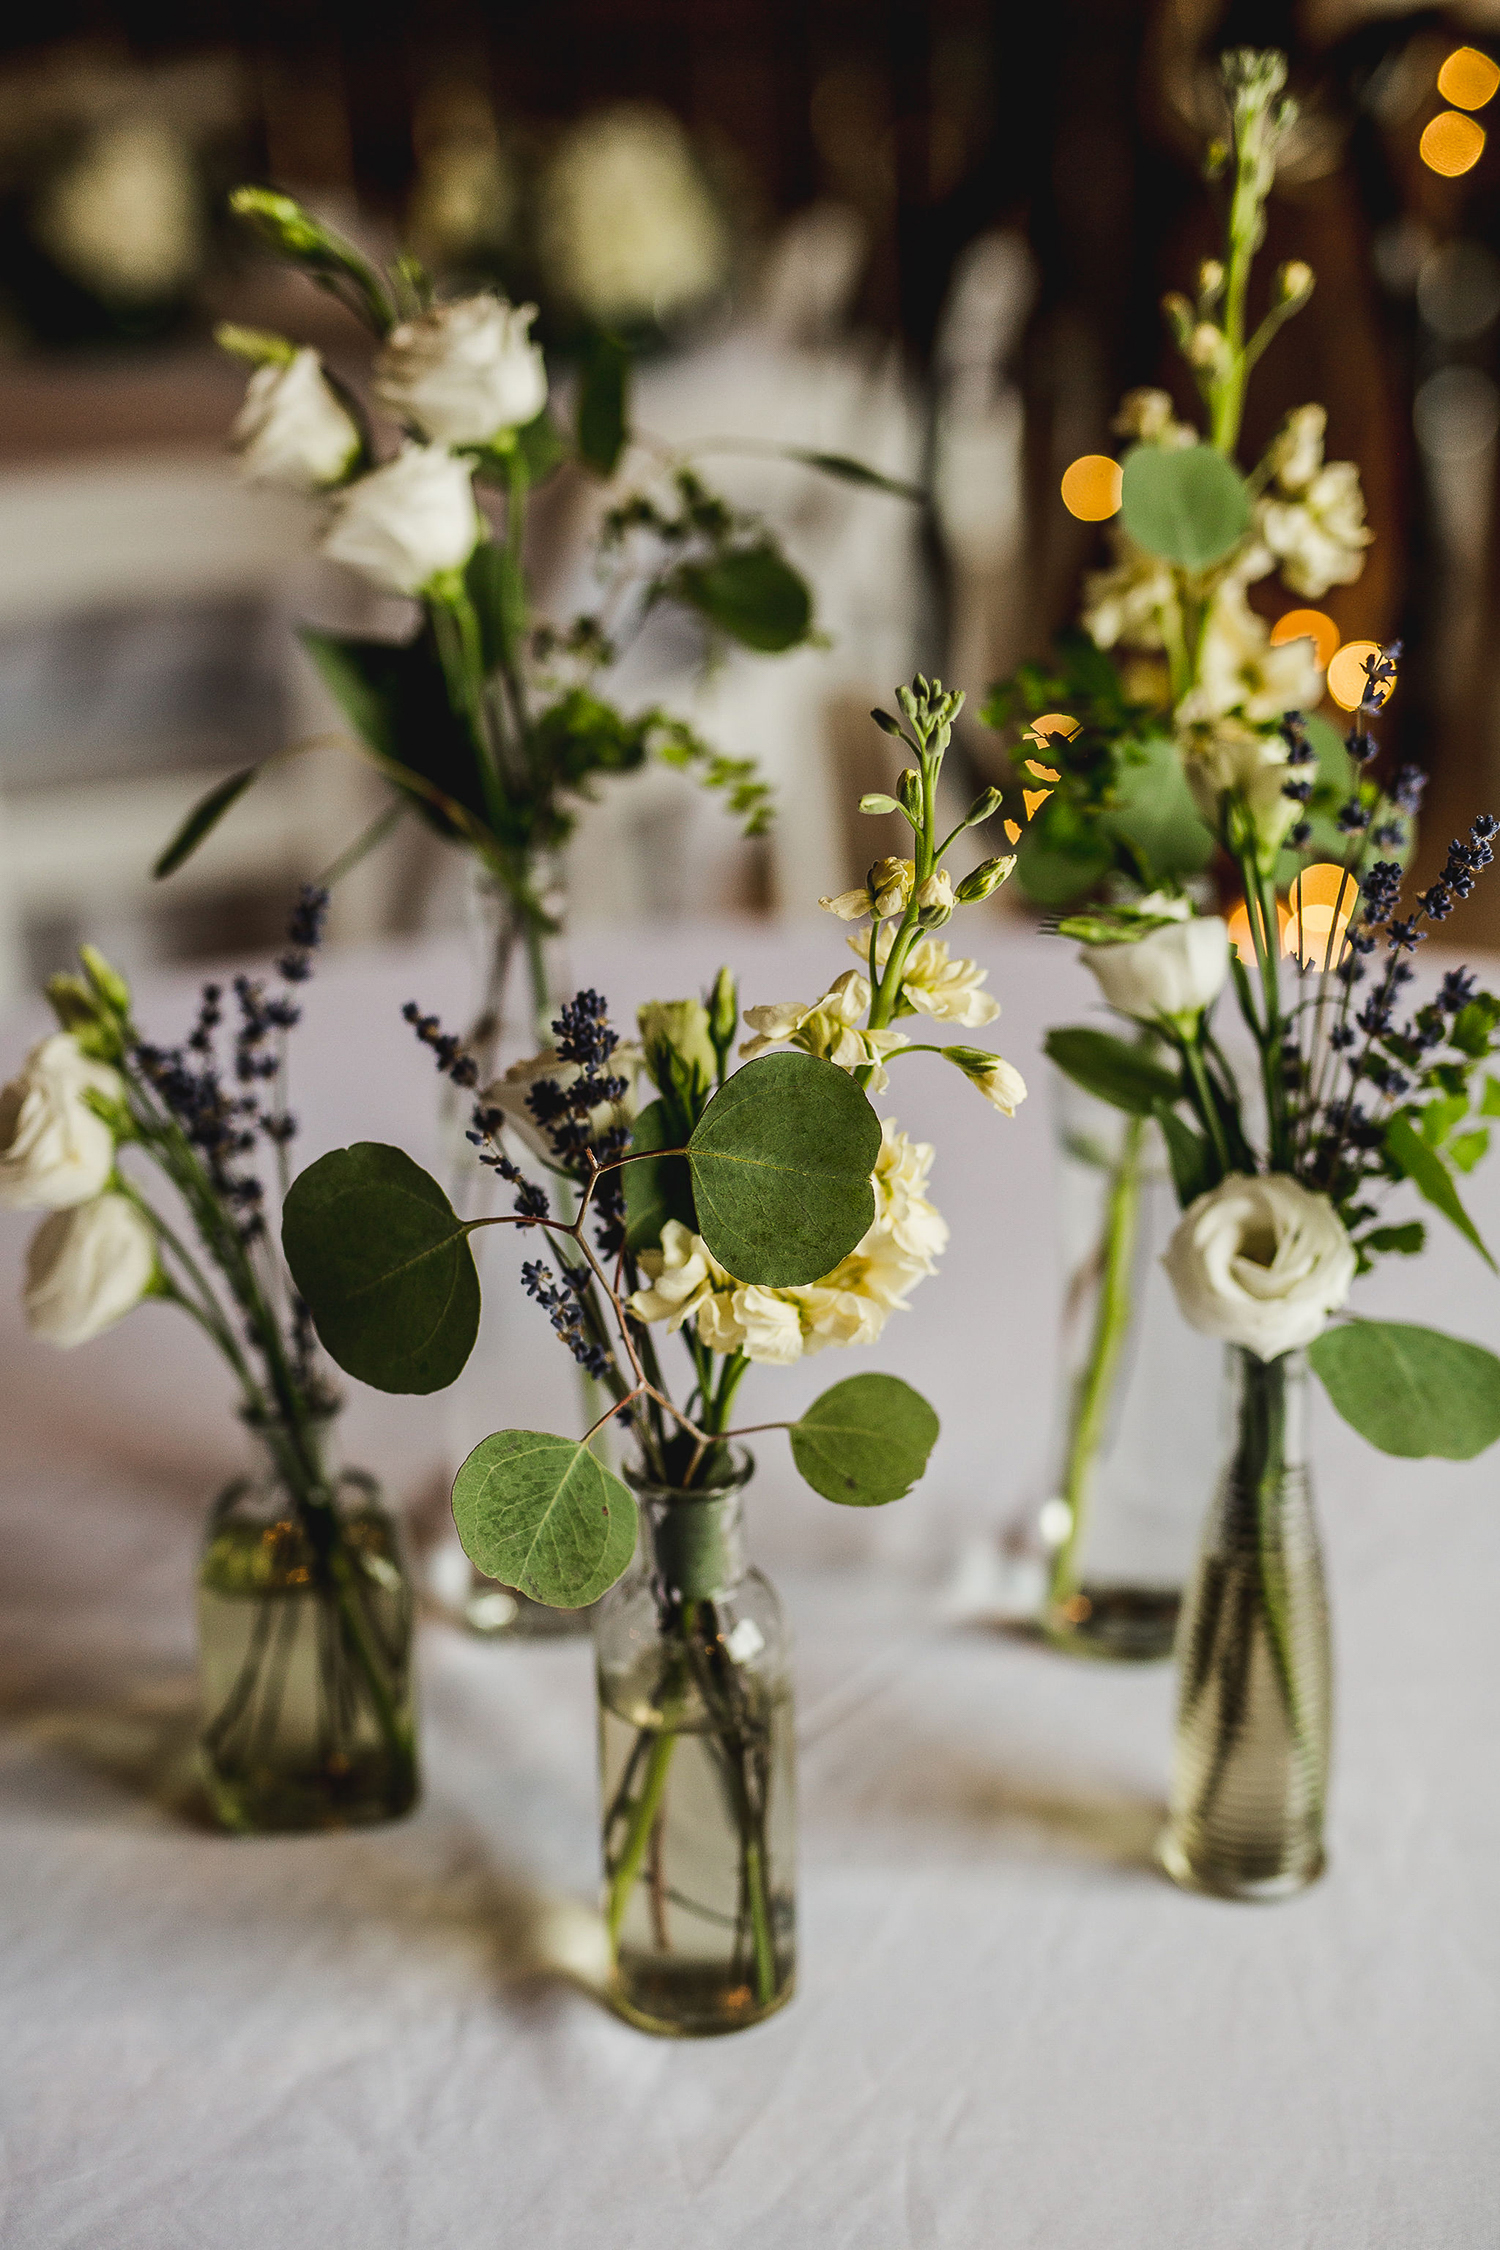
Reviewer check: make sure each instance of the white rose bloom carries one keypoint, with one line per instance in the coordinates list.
(1123, 606)
(54, 1150)
(1261, 1262)
(1175, 971)
(1320, 539)
(464, 372)
(293, 429)
(935, 983)
(407, 523)
(510, 1095)
(1239, 670)
(628, 225)
(86, 1268)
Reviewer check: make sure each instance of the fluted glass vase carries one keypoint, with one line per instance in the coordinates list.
(1250, 1767)
(304, 1644)
(697, 1772)
(1118, 1521)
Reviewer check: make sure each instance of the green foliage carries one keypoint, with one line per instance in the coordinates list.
(540, 1513)
(1474, 1029)
(1187, 504)
(384, 1265)
(749, 798)
(202, 820)
(657, 1191)
(395, 696)
(1153, 813)
(542, 447)
(847, 470)
(751, 593)
(1410, 1158)
(865, 1442)
(1111, 1070)
(496, 586)
(780, 1163)
(1195, 1168)
(1410, 1391)
(603, 389)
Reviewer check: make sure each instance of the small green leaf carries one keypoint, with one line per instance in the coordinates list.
(1490, 1106)
(781, 1162)
(849, 471)
(602, 393)
(202, 820)
(1406, 1240)
(1194, 1167)
(752, 594)
(866, 1441)
(1466, 1149)
(497, 588)
(1430, 1176)
(1474, 1024)
(1188, 505)
(1112, 1071)
(1440, 1117)
(1154, 810)
(656, 1192)
(384, 1264)
(1411, 1391)
(540, 1513)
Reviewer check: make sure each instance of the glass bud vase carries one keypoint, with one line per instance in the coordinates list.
(1254, 1713)
(1118, 1521)
(305, 1619)
(697, 1772)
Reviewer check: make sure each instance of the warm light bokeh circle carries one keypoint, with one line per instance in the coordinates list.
(1309, 625)
(1051, 722)
(1451, 144)
(1327, 885)
(1091, 487)
(1346, 674)
(1468, 78)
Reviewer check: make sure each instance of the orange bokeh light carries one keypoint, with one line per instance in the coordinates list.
(1051, 722)
(1468, 78)
(1325, 884)
(1241, 936)
(1451, 144)
(1346, 674)
(1091, 485)
(1308, 625)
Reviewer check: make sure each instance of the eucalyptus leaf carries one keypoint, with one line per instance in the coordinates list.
(866, 1441)
(202, 820)
(1112, 1071)
(658, 1191)
(1154, 811)
(602, 394)
(781, 1162)
(542, 1514)
(752, 594)
(384, 1265)
(1410, 1391)
(1430, 1176)
(1185, 503)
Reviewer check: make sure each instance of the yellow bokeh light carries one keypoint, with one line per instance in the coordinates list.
(1316, 936)
(1051, 722)
(1468, 79)
(1308, 625)
(1346, 674)
(1034, 800)
(1091, 485)
(1451, 144)
(1242, 938)
(1012, 831)
(1325, 884)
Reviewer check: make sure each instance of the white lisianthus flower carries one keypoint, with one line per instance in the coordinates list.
(829, 1027)
(86, 1268)
(55, 1151)
(408, 523)
(464, 373)
(1000, 1082)
(1239, 671)
(1228, 755)
(1262, 1262)
(293, 429)
(511, 1095)
(935, 983)
(1123, 606)
(1175, 971)
(629, 227)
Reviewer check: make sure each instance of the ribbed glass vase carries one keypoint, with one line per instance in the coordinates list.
(697, 1772)
(304, 1645)
(1254, 1716)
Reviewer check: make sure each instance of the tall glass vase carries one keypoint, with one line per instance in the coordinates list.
(1254, 1716)
(1118, 1522)
(697, 1772)
(304, 1644)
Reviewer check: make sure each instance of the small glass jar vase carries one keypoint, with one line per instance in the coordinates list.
(1254, 1714)
(697, 1765)
(305, 1619)
(1117, 1525)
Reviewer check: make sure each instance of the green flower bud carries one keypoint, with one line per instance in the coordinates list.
(909, 796)
(723, 1012)
(258, 345)
(876, 801)
(986, 877)
(984, 807)
(679, 1049)
(107, 983)
(281, 222)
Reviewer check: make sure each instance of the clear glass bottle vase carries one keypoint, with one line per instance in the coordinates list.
(305, 1618)
(1117, 1524)
(697, 1771)
(1254, 1714)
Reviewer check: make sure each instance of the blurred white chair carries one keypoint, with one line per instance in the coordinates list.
(145, 536)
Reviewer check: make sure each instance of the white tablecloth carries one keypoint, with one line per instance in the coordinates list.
(1009, 2030)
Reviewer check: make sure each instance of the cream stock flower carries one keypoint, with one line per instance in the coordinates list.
(1260, 1261)
(1000, 1082)
(1123, 606)
(1313, 521)
(1239, 670)
(464, 372)
(86, 1268)
(54, 1150)
(886, 892)
(293, 429)
(407, 523)
(1228, 755)
(1146, 415)
(1295, 454)
(681, 1274)
(935, 983)
(829, 1027)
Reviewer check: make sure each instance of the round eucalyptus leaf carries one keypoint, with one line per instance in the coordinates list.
(384, 1264)
(657, 1191)
(752, 594)
(1187, 504)
(540, 1513)
(780, 1163)
(1411, 1391)
(866, 1441)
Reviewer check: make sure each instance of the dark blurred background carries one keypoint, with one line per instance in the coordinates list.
(977, 206)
